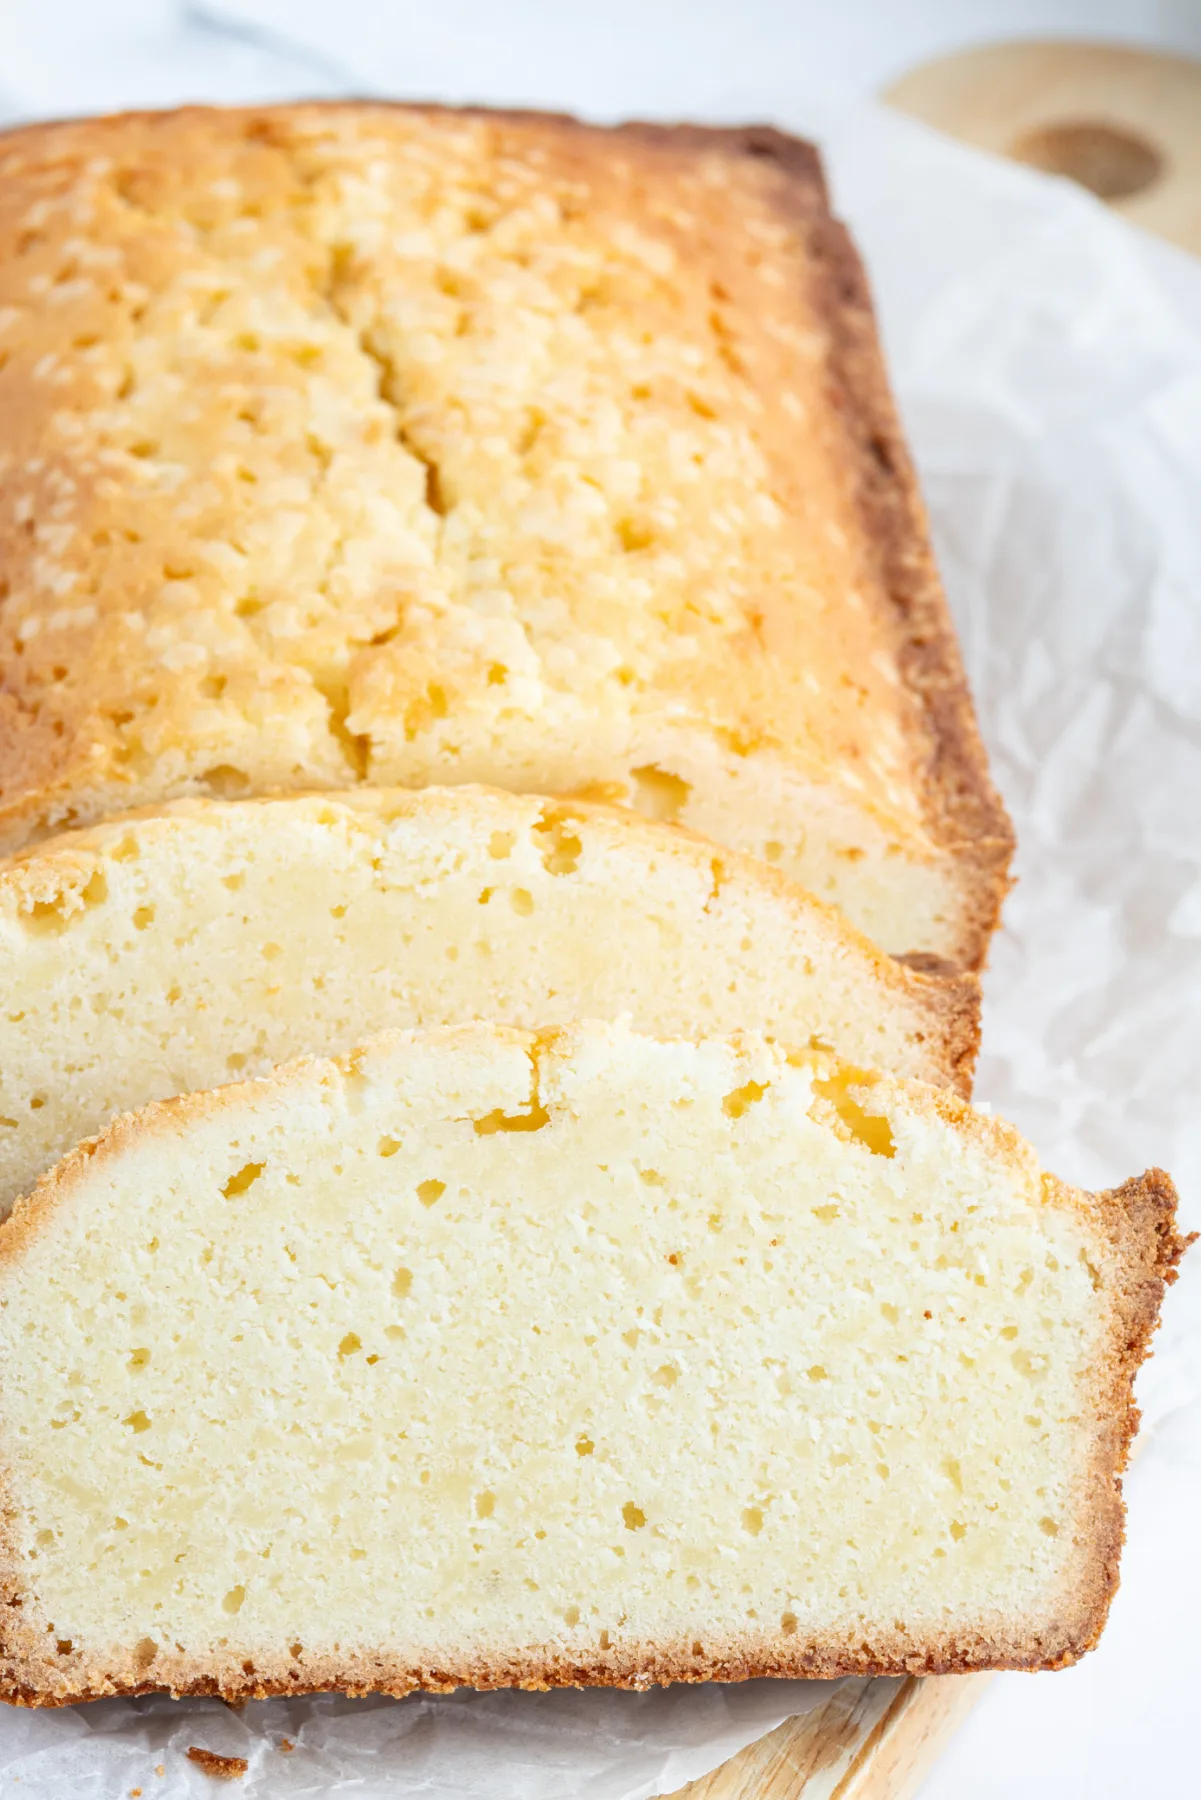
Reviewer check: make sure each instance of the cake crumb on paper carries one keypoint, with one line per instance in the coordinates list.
(286, 1744)
(221, 1768)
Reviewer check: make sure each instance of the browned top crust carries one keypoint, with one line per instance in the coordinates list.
(962, 807)
(270, 518)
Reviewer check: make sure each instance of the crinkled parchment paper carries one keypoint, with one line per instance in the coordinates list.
(1048, 362)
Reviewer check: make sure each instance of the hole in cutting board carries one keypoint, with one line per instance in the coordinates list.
(1112, 162)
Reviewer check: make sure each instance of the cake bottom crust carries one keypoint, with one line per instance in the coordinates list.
(361, 1673)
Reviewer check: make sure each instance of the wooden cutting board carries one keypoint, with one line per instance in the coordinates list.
(870, 1740)
(1125, 123)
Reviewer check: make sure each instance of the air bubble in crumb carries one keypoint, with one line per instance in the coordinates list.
(872, 1130)
(232, 1602)
(562, 848)
(95, 890)
(246, 1176)
(634, 1516)
(499, 1120)
(429, 1192)
(657, 793)
(742, 1099)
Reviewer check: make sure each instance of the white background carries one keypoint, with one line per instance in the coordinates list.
(721, 57)
(1049, 365)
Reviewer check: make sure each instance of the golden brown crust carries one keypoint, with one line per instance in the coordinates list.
(89, 721)
(963, 811)
(1139, 1218)
(359, 1674)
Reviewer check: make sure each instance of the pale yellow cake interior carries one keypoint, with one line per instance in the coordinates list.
(366, 444)
(178, 951)
(484, 1347)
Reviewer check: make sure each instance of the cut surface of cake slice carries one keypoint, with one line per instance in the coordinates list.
(390, 444)
(487, 1357)
(184, 948)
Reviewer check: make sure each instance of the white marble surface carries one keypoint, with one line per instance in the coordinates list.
(731, 58)
(1049, 364)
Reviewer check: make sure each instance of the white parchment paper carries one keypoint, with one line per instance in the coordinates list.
(1048, 362)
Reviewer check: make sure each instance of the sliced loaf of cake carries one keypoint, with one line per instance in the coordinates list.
(390, 444)
(179, 949)
(495, 1358)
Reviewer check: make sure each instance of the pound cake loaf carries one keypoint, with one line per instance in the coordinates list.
(488, 1357)
(179, 949)
(361, 443)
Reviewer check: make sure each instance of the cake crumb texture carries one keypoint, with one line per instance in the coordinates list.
(178, 949)
(494, 1358)
(221, 1768)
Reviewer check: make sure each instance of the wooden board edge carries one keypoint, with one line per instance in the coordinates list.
(911, 1737)
(870, 1740)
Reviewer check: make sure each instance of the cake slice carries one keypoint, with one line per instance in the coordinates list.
(361, 443)
(213, 939)
(482, 1357)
